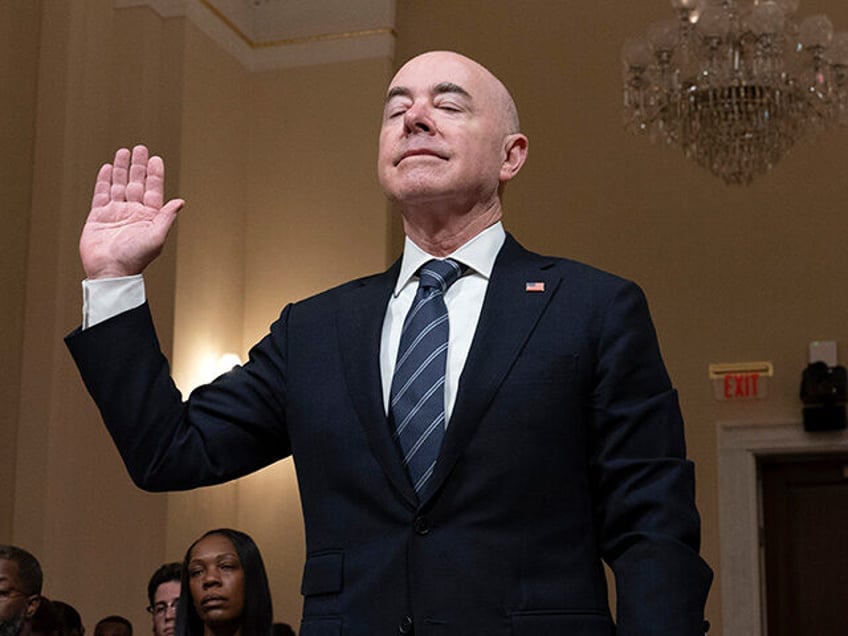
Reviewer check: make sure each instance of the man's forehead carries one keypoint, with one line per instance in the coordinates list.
(8, 571)
(431, 69)
(167, 589)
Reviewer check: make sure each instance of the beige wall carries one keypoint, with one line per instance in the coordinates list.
(277, 168)
(73, 505)
(19, 28)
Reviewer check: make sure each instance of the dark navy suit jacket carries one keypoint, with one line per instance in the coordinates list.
(565, 447)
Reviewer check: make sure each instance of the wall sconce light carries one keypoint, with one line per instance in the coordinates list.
(226, 363)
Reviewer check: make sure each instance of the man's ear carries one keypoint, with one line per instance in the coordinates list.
(515, 154)
(32, 606)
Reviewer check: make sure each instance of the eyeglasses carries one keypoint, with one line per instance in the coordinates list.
(159, 609)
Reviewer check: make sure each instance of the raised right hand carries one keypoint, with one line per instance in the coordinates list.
(128, 224)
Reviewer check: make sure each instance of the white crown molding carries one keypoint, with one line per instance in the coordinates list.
(165, 8)
(281, 52)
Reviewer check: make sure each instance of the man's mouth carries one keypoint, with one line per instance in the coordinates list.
(419, 152)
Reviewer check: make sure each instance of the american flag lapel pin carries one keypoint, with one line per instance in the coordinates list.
(534, 286)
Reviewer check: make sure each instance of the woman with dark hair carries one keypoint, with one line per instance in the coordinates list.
(224, 588)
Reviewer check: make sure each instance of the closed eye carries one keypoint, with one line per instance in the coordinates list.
(396, 106)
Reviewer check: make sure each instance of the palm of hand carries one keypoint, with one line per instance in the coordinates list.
(120, 238)
(128, 224)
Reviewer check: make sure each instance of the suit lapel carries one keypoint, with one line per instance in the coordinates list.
(509, 314)
(361, 313)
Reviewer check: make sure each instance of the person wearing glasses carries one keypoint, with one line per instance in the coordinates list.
(163, 593)
(225, 588)
(20, 589)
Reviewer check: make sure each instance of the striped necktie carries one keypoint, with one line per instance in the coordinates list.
(418, 385)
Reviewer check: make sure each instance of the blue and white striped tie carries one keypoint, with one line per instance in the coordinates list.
(418, 385)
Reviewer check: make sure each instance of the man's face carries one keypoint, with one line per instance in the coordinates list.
(165, 608)
(444, 132)
(15, 605)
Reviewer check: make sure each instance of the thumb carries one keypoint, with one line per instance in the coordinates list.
(165, 218)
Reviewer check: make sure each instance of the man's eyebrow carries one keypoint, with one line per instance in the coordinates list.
(397, 91)
(450, 87)
(438, 89)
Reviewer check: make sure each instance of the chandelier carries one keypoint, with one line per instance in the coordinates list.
(736, 83)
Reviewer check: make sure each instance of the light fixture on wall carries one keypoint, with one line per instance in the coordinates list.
(736, 83)
(227, 362)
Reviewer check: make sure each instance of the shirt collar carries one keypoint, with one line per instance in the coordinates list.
(478, 254)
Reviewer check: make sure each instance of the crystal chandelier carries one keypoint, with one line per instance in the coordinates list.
(735, 83)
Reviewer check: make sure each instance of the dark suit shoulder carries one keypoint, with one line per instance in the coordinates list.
(384, 279)
(572, 271)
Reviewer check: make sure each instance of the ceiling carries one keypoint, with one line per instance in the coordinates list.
(266, 34)
(269, 21)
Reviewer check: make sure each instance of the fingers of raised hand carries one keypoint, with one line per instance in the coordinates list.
(132, 177)
(120, 168)
(138, 173)
(102, 186)
(154, 192)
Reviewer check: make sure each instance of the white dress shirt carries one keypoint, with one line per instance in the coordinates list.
(464, 301)
(108, 297)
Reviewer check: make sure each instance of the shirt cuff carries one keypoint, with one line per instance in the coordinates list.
(104, 298)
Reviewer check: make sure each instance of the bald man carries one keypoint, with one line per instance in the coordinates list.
(474, 430)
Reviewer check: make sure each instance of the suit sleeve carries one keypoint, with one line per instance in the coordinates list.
(224, 430)
(644, 485)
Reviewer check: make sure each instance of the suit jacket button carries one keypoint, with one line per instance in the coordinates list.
(421, 525)
(405, 626)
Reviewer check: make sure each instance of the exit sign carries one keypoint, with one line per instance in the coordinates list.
(740, 380)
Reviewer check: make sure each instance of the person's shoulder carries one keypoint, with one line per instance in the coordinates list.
(570, 269)
(382, 281)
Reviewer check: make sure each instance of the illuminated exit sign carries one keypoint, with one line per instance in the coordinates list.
(740, 380)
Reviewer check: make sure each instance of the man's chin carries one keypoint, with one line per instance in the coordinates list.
(419, 190)
(11, 626)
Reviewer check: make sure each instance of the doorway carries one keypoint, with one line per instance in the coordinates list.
(742, 445)
(805, 543)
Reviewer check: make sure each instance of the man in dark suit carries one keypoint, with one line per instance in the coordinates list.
(551, 435)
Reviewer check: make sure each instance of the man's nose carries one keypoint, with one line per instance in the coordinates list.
(171, 611)
(417, 119)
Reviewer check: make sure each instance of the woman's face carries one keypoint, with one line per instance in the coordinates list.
(216, 580)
